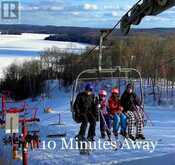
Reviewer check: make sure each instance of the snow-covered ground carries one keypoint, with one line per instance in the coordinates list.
(163, 132)
(17, 48)
(34, 42)
(26, 46)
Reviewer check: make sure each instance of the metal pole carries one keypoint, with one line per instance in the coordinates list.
(24, 148)
(11, 129)
(59, 118)
(3, 106)
(100, 52)
(102, 37)
(100, 56)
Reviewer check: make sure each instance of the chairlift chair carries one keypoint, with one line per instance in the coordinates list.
(119, 73)
(56, 130)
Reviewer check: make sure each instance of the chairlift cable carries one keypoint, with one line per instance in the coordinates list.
(113, 28)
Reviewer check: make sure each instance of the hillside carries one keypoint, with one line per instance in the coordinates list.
(162, 133)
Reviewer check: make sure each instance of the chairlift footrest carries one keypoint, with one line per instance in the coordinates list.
(56, 135)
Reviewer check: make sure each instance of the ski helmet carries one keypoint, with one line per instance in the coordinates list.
(102, 93)
(115, 91)
(89, 87)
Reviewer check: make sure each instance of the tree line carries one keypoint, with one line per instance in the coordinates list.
(147, 53)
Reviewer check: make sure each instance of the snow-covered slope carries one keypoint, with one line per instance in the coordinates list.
(163, 132)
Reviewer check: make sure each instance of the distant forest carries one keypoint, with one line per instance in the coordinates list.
(153, 56)
(74, 37)
(79, 34)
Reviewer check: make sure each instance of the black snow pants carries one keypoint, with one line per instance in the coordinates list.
(86, 118)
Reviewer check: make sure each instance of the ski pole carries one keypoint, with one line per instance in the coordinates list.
(106, 126)
(147, 116)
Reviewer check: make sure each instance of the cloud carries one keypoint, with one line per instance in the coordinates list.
(157, 18)
(110, 7)
(45, 5)
(111, 15)
(92, 13)
(41, 8)
(117, 8)
(88, 6)
(115, 14)
(29, 8)
(56, 8)
(75, 13)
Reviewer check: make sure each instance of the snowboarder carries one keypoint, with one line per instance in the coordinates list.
(85, 108)
(116, 111)
(105, 123)
(131, 103)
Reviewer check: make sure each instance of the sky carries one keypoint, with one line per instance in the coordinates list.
(84, 13)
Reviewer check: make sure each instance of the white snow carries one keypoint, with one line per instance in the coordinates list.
(17, 48)
(163, 132)
(34, 42)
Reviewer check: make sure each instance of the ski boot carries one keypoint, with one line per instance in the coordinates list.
(124, 134)
(116, 135)
(140, 137)
(80, 138)
(103, 135)
(132, 137)
(90, 139)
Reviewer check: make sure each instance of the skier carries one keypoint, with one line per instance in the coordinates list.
(116, 111)
(131, 103)
(28, 140)
(105, 123)
(35, 140)
(85, 108)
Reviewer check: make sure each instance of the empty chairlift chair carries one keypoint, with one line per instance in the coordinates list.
(56, 129)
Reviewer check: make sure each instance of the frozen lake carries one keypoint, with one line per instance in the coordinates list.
(17, 48)
(18, 53)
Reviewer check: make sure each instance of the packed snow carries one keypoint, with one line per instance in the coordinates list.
(17, 48)
(162, 132)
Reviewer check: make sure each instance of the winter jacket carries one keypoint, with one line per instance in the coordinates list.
(129, 101)
(102, 105)
(114, 106)
(85, 104)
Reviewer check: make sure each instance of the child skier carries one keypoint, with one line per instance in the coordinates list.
(116, 113)
(105, 123)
